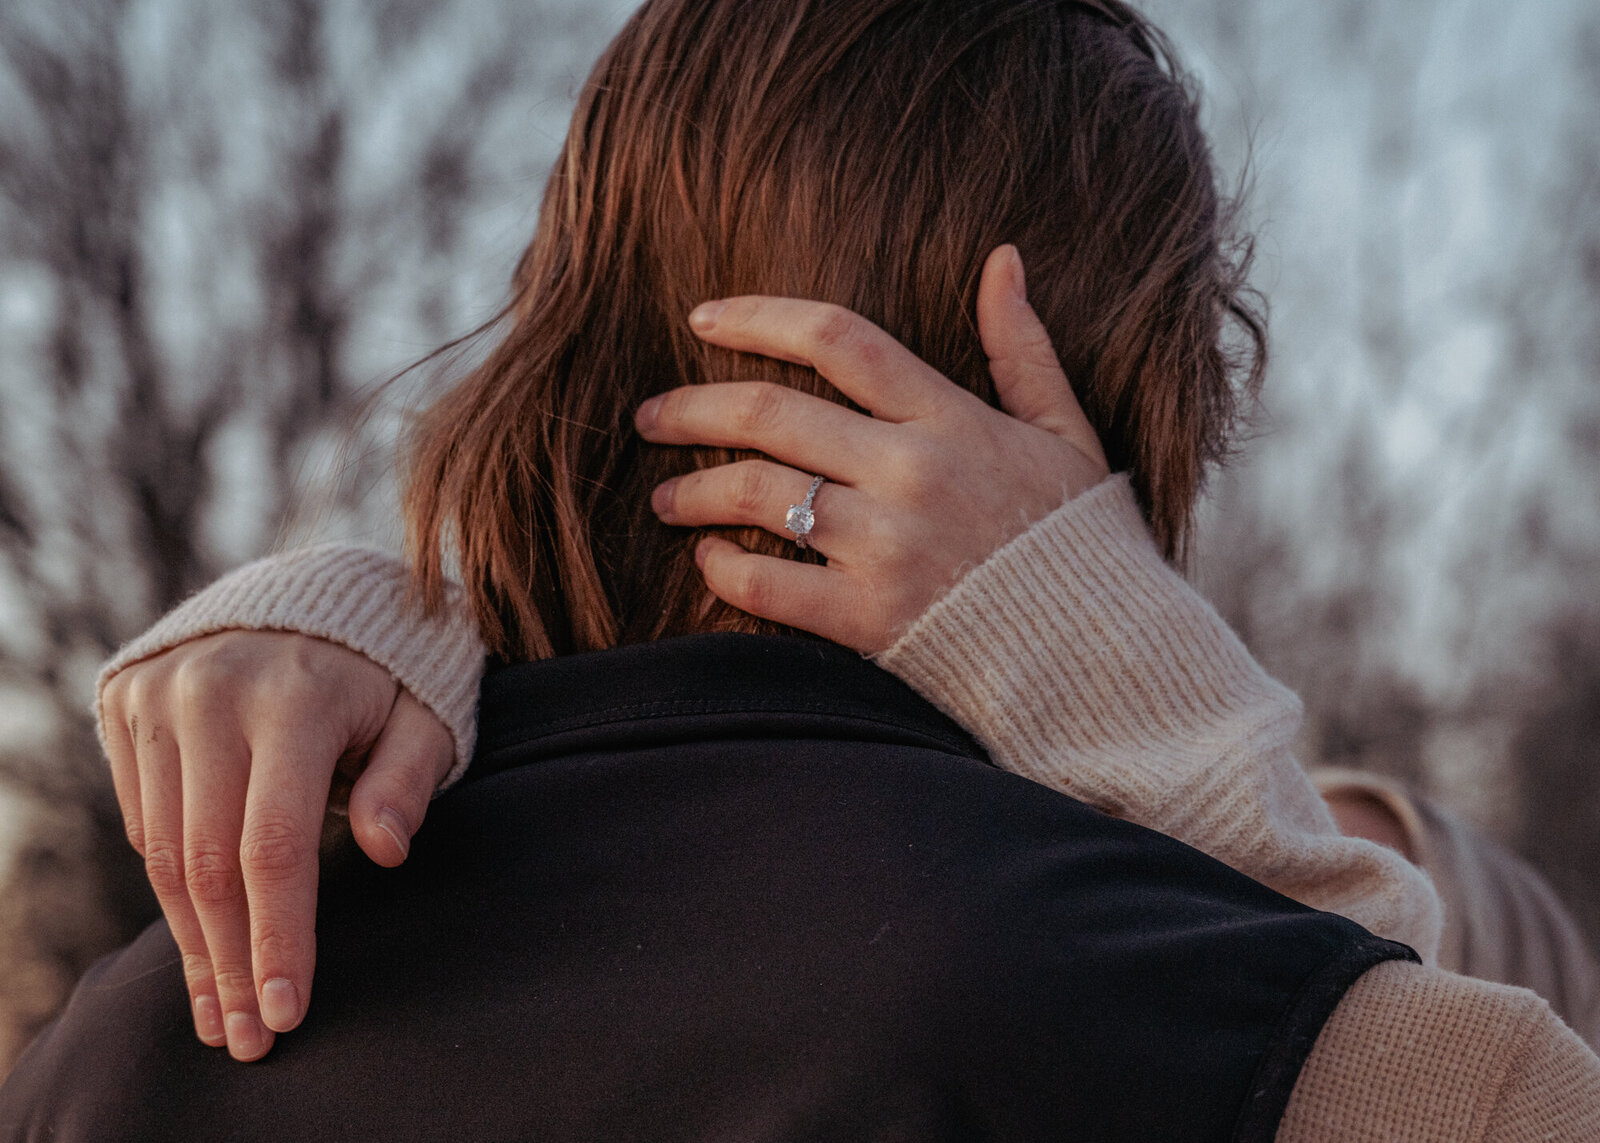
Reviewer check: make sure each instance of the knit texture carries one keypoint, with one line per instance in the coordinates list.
(353, 596)
(1423, 1055)
(1502, 920)
(1080, 659)
(1074, 654)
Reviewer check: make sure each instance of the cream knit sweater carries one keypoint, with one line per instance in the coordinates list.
(1081, 660)
(1074, 654)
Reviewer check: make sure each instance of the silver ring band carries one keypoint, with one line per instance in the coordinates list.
(800, 518)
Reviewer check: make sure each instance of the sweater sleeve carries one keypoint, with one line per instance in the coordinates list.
(1423, 1055)
(1074, 654)
(357, 597)
(1081, 660)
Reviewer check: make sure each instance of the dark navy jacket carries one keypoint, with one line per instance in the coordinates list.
(736, 888)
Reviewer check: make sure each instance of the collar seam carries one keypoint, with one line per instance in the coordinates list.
(676, 708)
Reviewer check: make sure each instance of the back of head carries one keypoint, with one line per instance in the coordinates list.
(869, 153)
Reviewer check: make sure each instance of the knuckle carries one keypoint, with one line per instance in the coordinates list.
(293, 686)
(134, 828)
(273, 849)
(212, 874)
(133, 691)
(114, 695)
(405, 790)
(204, 680)
(163, 865)
(1038, 355)
(197, 969)
(749, 492)
(760, 409)
(920, 475)
(895, 549)
(277, 944)
(831, 327)
(234, 982)
(749, 589)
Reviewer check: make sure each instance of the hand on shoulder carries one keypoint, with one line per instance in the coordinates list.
(224, 750)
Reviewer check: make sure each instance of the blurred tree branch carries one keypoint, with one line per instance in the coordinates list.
(202, 237)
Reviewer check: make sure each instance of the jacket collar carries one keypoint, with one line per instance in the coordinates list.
(695, 687)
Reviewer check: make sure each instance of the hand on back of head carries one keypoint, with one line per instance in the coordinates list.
(923, 490)
(224, 749)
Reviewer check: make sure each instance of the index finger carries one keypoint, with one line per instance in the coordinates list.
(863, 362)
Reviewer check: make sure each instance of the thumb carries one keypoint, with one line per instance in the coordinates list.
(413, 753)
(1027, 373)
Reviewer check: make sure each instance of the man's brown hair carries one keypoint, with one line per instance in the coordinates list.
(869, 153)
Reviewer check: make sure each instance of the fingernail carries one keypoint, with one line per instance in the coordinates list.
(647, 416)
(280, 1004)
(705, 316)
(391, 823)
(208, 1021)
(1019, 276)
(246, 1038)
(700, 554)
(661, 500)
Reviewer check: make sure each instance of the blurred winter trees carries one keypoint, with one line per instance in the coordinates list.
(221, 225)
(1413, 542)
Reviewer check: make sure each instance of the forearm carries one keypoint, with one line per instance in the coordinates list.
(353, 596)
(1074, 654)
(1082, 661)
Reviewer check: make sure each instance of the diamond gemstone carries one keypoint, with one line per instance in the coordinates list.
(800, 519)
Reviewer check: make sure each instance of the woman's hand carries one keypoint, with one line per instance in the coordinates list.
(223, 750)
(919, 493)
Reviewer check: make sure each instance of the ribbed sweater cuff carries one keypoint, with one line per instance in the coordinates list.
(1082, 607)
(1082, 661)
(356, 597)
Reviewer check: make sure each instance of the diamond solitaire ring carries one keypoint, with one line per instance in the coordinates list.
(800, 519)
